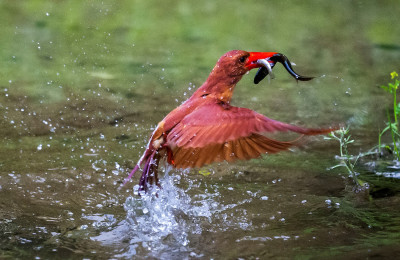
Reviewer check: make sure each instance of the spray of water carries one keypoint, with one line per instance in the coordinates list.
(165, 221)
(162, 218)
(161, 221)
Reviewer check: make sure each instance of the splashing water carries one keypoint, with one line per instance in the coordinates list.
(163, 218)
(165, 221)
(160, 221)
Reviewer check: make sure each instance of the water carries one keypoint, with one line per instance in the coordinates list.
(83, 85)
(161, 222)
(169, 222)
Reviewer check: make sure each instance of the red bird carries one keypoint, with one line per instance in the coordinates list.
(206, 128)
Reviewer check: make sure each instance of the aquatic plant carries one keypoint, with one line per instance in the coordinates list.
(392, 124)
(347, 160)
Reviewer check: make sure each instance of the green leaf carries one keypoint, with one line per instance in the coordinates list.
(204, 172)
(386, 89)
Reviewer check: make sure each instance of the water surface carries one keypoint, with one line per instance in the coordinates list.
(83, 84)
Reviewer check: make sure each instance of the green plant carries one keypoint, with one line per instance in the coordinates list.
(393, 126)
(342, 136)
(346, 160)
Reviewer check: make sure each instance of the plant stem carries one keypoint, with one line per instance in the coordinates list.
(392, 132)
(395, 105)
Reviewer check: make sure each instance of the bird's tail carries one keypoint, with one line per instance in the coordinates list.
(150, 172)
(313, 131)
(150, 162)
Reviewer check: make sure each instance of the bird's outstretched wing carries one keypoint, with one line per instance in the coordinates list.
(217, 132)
(243, 148)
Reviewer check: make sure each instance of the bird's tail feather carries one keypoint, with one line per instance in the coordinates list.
(149, 172)
(129, 176)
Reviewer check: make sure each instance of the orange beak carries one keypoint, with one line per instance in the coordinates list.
(252, 61)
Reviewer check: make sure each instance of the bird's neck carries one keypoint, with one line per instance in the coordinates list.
(219, 86)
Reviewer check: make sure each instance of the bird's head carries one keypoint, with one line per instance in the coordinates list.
(236, 63)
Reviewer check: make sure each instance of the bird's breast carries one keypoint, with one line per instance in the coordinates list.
(224, 96)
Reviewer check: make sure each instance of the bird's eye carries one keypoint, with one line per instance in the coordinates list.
(242, 59)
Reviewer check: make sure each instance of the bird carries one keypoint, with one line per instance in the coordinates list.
(206, 128)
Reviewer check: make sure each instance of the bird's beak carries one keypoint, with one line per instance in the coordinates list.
(253, 59)
(265, 61)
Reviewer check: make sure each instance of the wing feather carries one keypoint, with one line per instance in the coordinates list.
(244, 148)
(216, 123)
(217, 132)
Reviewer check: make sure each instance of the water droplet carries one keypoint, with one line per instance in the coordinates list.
(83, 227)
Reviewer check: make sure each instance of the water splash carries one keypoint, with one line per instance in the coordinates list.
(161, 221)
(385, 168)
(168, 221)
(163, 218)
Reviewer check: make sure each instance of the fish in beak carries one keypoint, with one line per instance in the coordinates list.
(265, 61)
